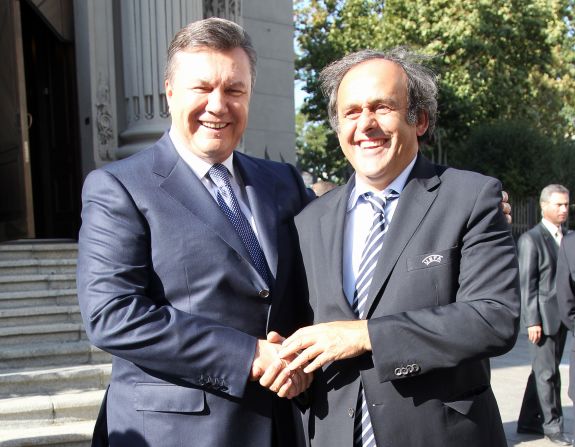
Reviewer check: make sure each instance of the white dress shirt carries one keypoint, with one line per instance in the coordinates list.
(201, 167)
(555, 230)
(358, 222)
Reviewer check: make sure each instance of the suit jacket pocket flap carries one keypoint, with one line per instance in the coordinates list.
(168, 398)
(464, 403)
(461, 406)
(431, 259)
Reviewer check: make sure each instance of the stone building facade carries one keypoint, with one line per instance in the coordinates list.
(82, 85)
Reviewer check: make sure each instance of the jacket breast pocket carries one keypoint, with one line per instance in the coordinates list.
(431, 279)
(433, 259)
(169, 398)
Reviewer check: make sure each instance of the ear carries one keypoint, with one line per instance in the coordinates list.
(422, 123)
(169, 89)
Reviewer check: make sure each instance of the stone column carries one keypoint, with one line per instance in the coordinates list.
(147, 27)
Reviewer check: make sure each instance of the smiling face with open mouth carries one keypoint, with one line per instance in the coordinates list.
(373, 130)
(209, 96)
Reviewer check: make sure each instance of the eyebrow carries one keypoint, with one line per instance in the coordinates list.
(373, 101)
(232, 84)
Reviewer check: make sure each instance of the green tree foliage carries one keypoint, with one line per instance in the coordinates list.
(498, 61)
(311, 148)
(521, 163)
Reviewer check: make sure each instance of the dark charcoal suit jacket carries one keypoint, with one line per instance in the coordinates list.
(537, 268)
(566, 296)
(165, 285)
(444, 298)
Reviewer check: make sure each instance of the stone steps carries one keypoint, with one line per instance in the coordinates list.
(74, 434)
(52, 379)
(37, 266)
(21, 250)
(24, 298)
(57, 332)
(51, 354)
(46, 409)
(39, 315)
(18, 283)
(30, 381)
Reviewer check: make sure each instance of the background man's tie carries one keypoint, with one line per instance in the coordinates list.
(363, 430)
(228, 202)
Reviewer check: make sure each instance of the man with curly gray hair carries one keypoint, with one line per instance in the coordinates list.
(411, 271)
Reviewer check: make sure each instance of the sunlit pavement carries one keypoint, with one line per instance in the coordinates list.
(508, 378)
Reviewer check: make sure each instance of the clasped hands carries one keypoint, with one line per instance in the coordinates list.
(286, 366)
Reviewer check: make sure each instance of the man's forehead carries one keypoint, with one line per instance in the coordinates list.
(558, 198)
(384, 73)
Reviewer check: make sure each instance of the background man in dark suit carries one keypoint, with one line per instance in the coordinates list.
(566, 298)
(187, 261)
(405, 328)
(541, 408)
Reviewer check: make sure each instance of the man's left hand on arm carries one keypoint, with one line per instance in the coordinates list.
(323, 343)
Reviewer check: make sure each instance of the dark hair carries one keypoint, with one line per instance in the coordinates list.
(421, 82)
(214, 33)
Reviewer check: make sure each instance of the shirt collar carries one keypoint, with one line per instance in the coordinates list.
(197, 164)
(550, 226)
(398, 184)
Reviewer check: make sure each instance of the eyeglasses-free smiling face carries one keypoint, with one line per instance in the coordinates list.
(209, 95)
(373, 131)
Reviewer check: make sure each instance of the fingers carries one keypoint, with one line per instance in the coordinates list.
(281, 378)
(274, 337)
(270, 375)
(290, 388)
(291, 346)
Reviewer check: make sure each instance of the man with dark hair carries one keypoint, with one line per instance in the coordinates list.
(411, 271)
(541, 410)
(187, 260)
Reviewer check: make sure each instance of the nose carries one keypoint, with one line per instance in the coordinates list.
(216, 102)
(366, 120)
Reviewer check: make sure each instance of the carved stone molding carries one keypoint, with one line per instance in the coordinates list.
(227, 9)
(104, 119)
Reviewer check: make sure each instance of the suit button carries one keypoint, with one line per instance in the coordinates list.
(351, 412)
(397, 371)
(415, 367)
(403, 371)
(264, 293)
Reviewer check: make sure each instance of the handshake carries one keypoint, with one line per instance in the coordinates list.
(285, 366)
(273, 371)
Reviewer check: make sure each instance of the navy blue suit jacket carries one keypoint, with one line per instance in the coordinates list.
(166, 286)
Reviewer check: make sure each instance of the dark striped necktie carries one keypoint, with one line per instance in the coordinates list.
(363, 430)
(228, 202)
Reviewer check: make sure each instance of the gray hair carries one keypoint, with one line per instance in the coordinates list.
(214, 33)
(421, 82)
(550, 189)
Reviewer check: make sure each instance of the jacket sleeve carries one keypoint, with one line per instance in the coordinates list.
(566, 285)
(480, 321)
(529, 279)
(128, 317)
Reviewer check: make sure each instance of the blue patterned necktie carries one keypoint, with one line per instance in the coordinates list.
(228, 202)
(363, 430)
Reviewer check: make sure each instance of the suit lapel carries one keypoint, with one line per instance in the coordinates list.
(181, 183)
(331, 227)
(416, 198)
(260, 190)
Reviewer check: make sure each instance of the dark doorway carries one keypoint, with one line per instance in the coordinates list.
(54, 141)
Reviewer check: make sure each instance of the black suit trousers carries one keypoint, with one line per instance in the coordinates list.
(541, 407)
